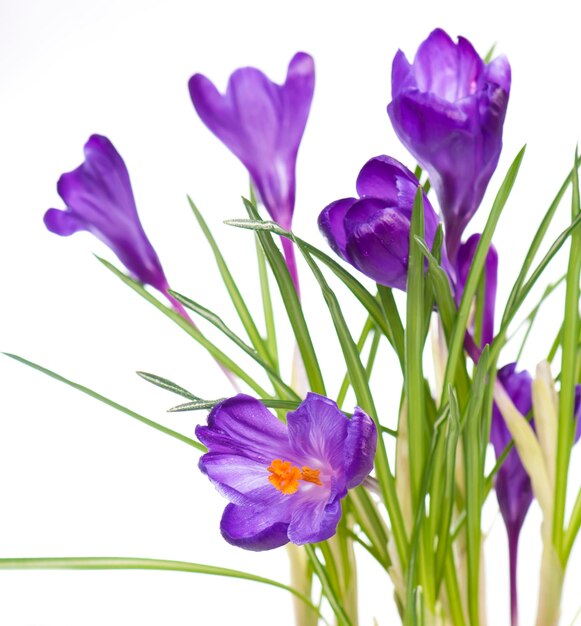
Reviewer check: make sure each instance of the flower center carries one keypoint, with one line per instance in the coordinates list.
(285, 477)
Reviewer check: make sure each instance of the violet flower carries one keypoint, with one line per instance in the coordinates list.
(284, 482)
(463, 264)
(100, 200)
(513, 485)
(448, 109)
(372, 232)
(262, 123)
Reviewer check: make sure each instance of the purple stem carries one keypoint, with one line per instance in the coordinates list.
(512, 557)
(291, 263)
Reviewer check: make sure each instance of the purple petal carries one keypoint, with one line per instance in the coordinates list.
(262, 123)
(317, 430)
(464, 261)
(359, 448)
(577, 412)
(314, 520)
(243, 426)
(450, 117)
(513, 487)
(387, 179)
(378, 242)
(332, 225)
(255, 528)
(238, 478)
(100, 200)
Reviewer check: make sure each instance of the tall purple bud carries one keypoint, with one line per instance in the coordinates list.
(448, 109)
(372, 232)
(262, 123)
(100, 200)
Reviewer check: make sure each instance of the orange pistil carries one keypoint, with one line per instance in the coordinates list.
(285, 477)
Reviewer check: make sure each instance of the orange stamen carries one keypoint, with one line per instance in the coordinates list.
(285, 477)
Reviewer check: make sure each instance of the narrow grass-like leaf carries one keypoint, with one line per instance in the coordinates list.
(356, 287)
(372, 524)
(111, 403)
(164, 383)
(119, 563)
(532, 316)
(457, 340)
(219, 323)
(334, 601)
(573, 528)
(360, 384)
(569, 348)
(367, 328)
(199, 404)
(191, 330)
(414, 378)
(269, 320)
(291, 302)
(396, 332)
(232, 288)
(536, 243)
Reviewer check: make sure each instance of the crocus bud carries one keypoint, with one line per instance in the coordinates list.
(372, 232)
(263, 123)
(463, 264)
(100, 200)
(448, 109)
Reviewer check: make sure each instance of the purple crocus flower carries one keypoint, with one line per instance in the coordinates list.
(463, 264)
(513, 485)
(372, 232)
(262, 123)
(100, 200)
(448, 109)
(284, 482)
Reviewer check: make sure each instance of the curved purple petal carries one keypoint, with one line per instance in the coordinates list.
(386, 178)
(317, 430)
(262, 123)
(100, 200)
(243, 426)
(255, 528)
(332, 224)
(448, 109)
(315, 520)
(464, 260)
(359, 448)
(513, 486)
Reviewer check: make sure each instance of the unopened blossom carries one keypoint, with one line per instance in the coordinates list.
(99, 199)
(262, 123)
(372, 232)
(448, 109)
(284, 482)
(463, 264)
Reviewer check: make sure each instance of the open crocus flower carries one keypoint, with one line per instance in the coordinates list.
(372, 232)
(463, 264)
(448, 109)
(284, 482)
(262, 123)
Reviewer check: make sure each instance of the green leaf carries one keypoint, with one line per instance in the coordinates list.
(164, 383)
(119, 563)
(291, 303)
(269, 320)
(358, 377)
(233, 291)
(473, 449)
(414, 378)
(190, 329)
(569, 349)
(111, 403)
(217, 321)
(200, 404)
(475, 273)
(535, 245)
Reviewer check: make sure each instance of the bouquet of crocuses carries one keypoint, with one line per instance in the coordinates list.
(296, 465)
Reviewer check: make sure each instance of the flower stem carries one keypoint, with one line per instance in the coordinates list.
(513, 538)
(291, 262)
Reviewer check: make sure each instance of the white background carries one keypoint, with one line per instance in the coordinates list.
(78, 478)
